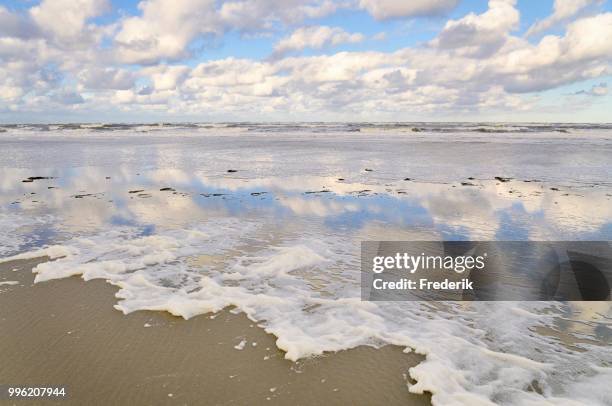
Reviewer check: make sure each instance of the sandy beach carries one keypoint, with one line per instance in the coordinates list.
(66, 332)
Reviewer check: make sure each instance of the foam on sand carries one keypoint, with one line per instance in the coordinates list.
(9, 283)
(305, 290)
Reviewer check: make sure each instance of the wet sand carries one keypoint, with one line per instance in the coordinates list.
(66, 332)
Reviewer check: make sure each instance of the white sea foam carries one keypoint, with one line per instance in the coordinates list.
(305, 291)
(9, 283)
(13, 238)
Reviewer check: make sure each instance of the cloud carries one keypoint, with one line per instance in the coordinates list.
(106, 78)
(386, 9)
(595, 90)
(584, 52)
(145, 91)
(68, 97)
(480, 34)
(166, 29)
(166, 77)
(562, 11)
(415, 80)
(16, 25)
(66, 20)
(139, 65)
(599, 90)
(263, 14)
(316, 38)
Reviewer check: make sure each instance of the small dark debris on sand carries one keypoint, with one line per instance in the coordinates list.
(317, 191)
(144, 195)
(232, 170)
(467, 184)
(340, 179)
(136, 191)
(166, 189)
(258, 193)
(368, 170)
(212, 194)
(556, 189)
(502, 179)
(33, 178)
(50, 187)
(83, 195)
(407, 179)
(471, 178)
(108, 177)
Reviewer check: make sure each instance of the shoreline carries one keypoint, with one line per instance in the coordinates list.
(66, 332)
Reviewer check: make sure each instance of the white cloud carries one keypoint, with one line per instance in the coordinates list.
(16, 26)
(66, 20)
(106, 78)
(164, 30)
(584, 52)
(480, 34)
(263, 14)
(166, 77)
(316, 38)
(66, 96)
(385, 9)
(476, 64)
(595, 90)
(562, 11)
(599, 90)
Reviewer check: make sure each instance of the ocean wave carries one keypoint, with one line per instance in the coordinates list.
(252, 127)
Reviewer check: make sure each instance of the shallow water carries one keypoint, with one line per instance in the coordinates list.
(269, 218)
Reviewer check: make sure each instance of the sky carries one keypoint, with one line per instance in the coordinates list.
(308, 60)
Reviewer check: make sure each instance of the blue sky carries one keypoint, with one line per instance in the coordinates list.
(366, 60)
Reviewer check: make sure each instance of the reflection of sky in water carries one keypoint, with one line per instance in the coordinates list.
(355, 209)
(402, 212)
(374, 204)
(86, 198)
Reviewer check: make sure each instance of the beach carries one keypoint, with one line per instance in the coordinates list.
(66, 333)
(220, 264)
